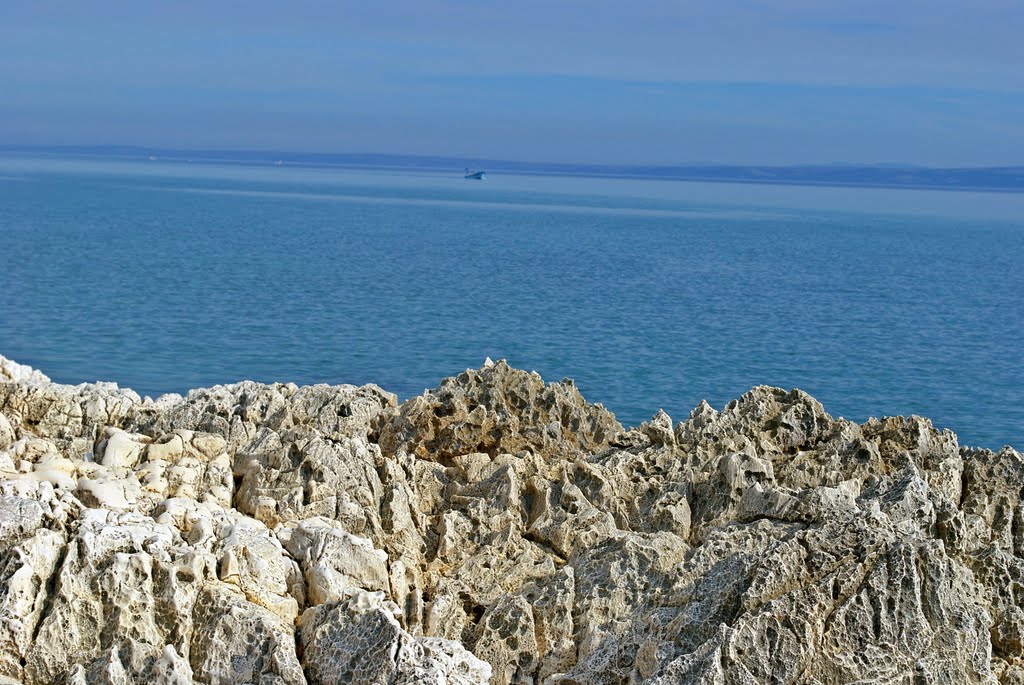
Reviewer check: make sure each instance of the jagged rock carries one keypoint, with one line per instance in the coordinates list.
(26, 567)
(333, 560)
(495, 529)
(19, 517)
(497, 409)
(252, 559)
(129, 663)
(359, 640)
(123, 577)
(7, 435)
(15, 373)
(315, 477)
(235, 641)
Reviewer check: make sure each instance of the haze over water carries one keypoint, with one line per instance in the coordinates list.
(649, 294)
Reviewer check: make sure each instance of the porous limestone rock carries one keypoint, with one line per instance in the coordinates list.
(359, 640)
(333, 560)
(122, 577)
(27, 563)
(497, 409)
(236, 641)
(494, 530)
(7, 435)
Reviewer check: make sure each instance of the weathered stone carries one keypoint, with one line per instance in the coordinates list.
(25, 571)
(250, 558)
(495, 529)
(497, 409)
(123, 577)
(235, 641)
(358, 640)
(333, 560)
(7, 435)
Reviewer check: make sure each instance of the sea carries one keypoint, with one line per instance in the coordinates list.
(650, 294)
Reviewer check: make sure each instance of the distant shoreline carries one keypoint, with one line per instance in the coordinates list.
(972, 179)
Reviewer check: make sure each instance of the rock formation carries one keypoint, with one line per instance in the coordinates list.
(497, 530)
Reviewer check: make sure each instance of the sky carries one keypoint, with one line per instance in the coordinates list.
(930, 82)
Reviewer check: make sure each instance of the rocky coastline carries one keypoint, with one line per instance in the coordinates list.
(496, 529)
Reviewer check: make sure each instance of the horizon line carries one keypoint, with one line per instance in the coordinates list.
(997, 179)
(111, 149)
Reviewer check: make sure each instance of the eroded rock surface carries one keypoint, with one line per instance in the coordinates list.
(496, 529)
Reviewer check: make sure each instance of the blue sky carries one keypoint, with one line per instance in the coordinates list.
(789, 81)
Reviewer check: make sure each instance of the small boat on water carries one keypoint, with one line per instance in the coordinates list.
(476, 175)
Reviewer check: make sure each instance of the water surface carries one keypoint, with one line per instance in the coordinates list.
(650, 294)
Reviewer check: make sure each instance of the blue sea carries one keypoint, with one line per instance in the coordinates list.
(164, 276)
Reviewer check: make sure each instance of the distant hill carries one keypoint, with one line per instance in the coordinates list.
(996, 179)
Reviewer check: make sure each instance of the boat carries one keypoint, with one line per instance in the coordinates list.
(476, 175)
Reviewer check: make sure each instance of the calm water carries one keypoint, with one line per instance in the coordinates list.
(164, 277)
